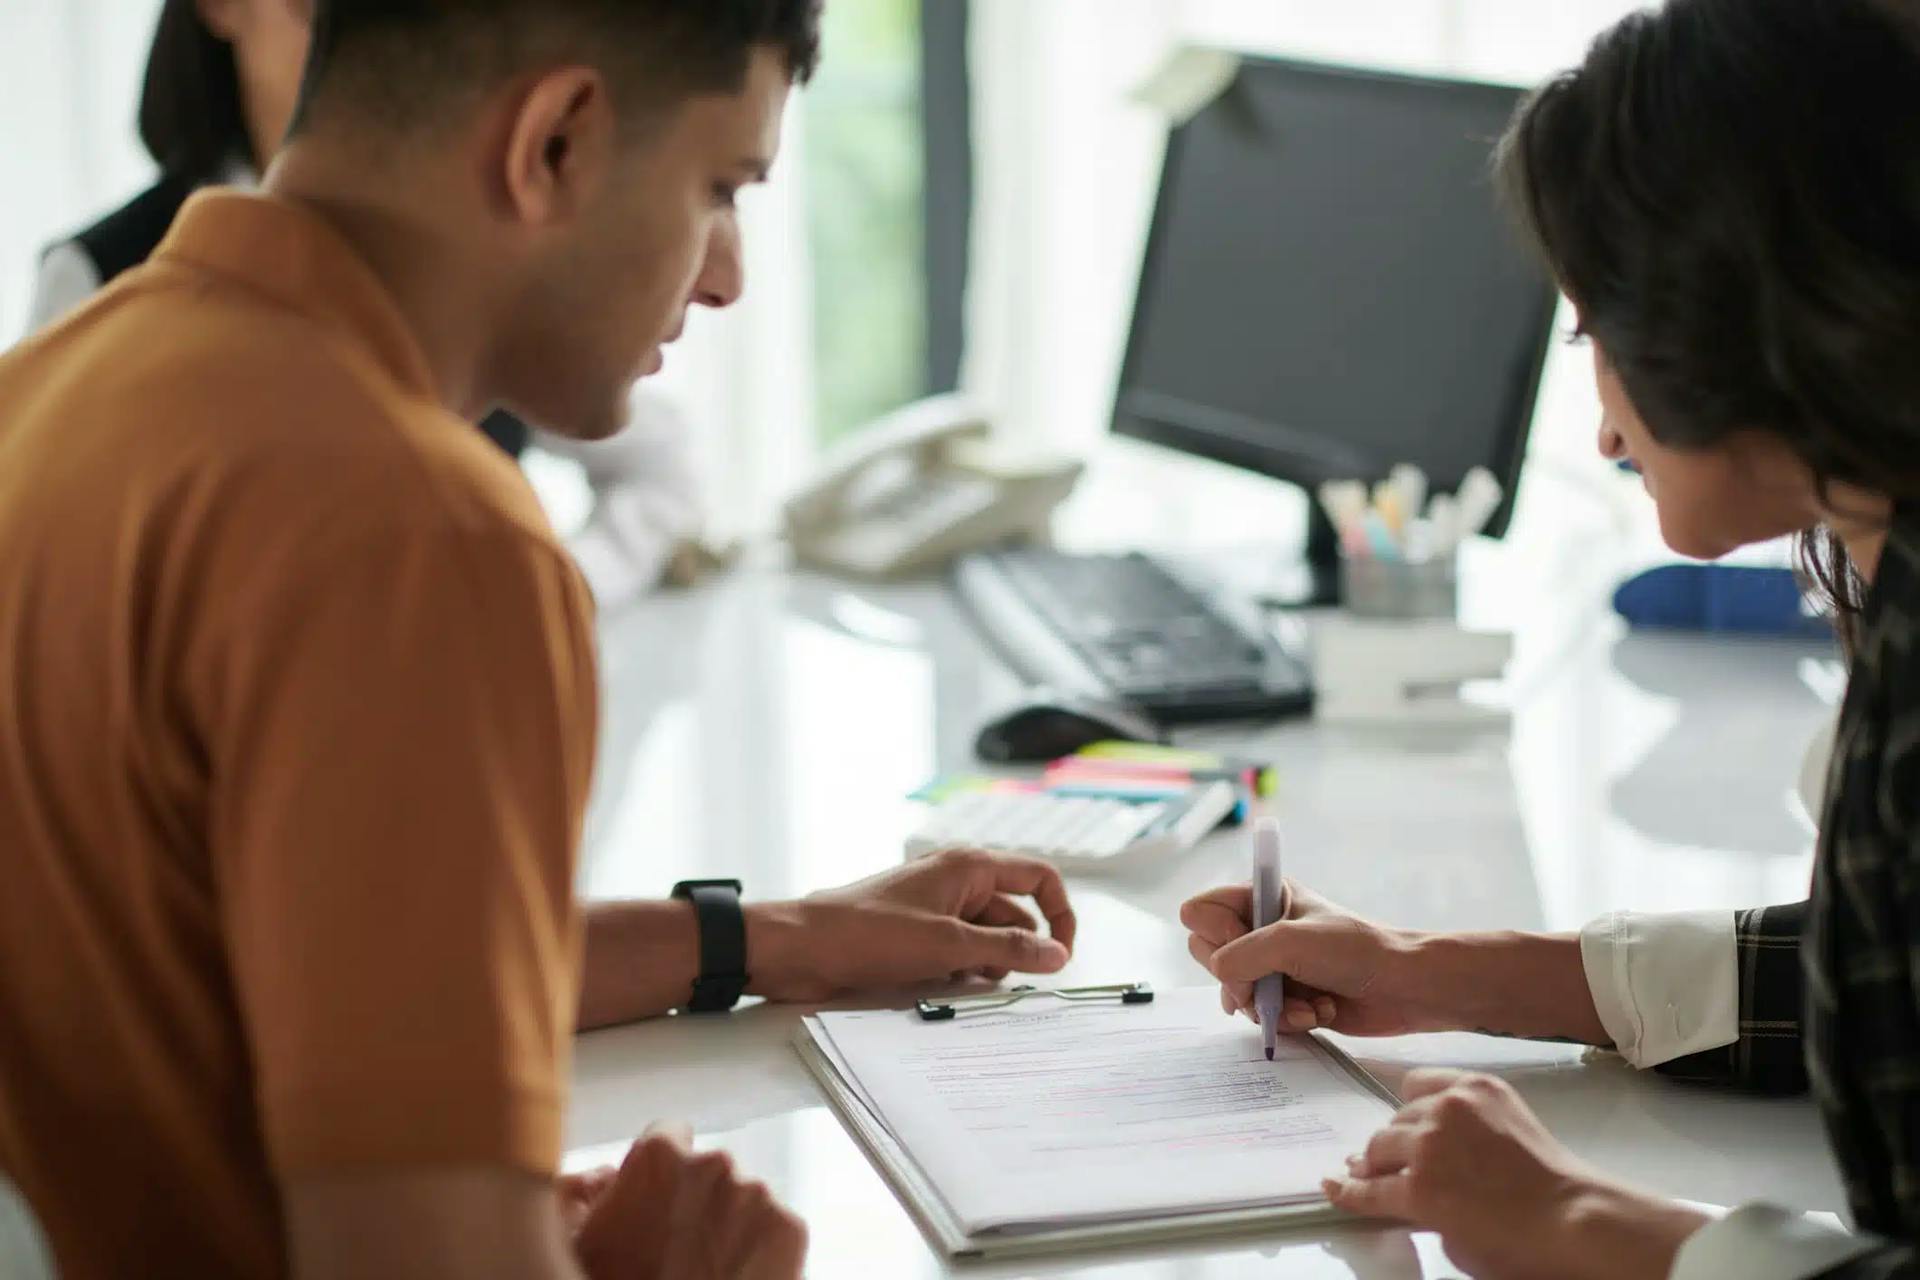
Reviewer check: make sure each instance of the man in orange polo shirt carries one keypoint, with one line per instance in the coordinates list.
(299, 687)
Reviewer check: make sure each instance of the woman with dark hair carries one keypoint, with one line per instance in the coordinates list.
(222, 80)
(1729, 193)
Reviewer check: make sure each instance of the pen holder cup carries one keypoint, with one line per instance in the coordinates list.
(1400, 589)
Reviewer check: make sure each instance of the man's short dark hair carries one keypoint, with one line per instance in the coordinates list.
(406, 62)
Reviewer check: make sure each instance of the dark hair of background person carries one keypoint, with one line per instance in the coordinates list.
(405, 62)
(1729, 193)
(191, 119)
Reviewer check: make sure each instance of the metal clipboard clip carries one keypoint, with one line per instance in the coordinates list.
(952, 1007)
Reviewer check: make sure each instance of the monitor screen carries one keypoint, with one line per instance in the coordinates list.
(1330, 286)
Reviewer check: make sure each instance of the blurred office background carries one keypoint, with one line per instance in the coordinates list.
(962, 198)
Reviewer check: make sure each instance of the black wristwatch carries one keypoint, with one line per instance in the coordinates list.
(723, 943)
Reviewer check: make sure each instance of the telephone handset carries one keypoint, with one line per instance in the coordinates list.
(919, 488)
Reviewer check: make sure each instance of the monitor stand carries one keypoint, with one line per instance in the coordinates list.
(1311, 581)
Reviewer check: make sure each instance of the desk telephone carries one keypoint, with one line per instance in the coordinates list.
(919, 488)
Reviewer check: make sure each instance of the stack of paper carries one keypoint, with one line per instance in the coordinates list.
(1035, 1129)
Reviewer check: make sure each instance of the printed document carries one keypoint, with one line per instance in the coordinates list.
(1046, 1114)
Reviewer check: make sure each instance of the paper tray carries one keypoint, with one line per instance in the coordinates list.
(925, 1204)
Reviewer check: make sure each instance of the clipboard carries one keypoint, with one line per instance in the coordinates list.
(945, 1234)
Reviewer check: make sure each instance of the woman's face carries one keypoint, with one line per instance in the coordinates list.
(269, 39)
(1745, 489)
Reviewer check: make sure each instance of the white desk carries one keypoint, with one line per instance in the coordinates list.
(768, 726)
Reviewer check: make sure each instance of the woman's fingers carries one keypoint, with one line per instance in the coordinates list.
(1219, 915)
(1386, 1197)
(1390, 1150)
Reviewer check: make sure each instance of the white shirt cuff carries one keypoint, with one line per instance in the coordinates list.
(1761, 1242)
(1665, 985)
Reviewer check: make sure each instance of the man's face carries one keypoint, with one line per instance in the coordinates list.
(661, 236)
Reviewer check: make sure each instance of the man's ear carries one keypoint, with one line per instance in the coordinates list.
(559, 146)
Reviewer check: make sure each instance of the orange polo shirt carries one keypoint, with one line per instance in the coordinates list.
(297, 708)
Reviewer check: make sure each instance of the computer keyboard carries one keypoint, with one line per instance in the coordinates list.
(1126, 627)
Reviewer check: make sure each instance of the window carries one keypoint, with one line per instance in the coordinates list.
(886, 184)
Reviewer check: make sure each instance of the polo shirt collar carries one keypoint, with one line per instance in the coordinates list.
(294, 257)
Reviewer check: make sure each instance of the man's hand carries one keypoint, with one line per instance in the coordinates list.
(1365, 979)
(1466, 1158)
(672, 1214)
(949, 915)
(1343, 972)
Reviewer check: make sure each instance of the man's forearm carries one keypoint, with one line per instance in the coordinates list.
(1531, 985)
(642, 957)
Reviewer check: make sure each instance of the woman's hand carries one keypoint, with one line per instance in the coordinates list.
(1352, 975)
(1343, 972)
(1465, 1157)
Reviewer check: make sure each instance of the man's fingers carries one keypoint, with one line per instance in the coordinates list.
(588, 1185)
(744, 1209)
(779, 1243)
(1219, 915)
(1040, 881)
(655, 1153)
(1002, 911)
(675, 1133)
(1201, 950)
(578, 1192)
(976, 947)
(708, 1177)
(1386, 1197)
(733, 1223)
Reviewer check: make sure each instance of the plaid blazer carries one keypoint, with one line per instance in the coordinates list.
(1830, 987)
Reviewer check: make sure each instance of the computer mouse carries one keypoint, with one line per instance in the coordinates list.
(1050, 724)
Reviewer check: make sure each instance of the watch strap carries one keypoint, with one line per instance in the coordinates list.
(723, 943)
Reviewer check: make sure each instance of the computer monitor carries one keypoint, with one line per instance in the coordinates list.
(1330, 286)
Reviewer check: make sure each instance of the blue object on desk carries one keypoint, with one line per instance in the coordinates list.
(1719, 597)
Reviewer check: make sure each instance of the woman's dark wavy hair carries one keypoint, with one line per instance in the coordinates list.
(191, 119)
(1729, 192)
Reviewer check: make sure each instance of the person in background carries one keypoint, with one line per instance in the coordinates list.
(221, 80)
(1729, 193)
(301, 695)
